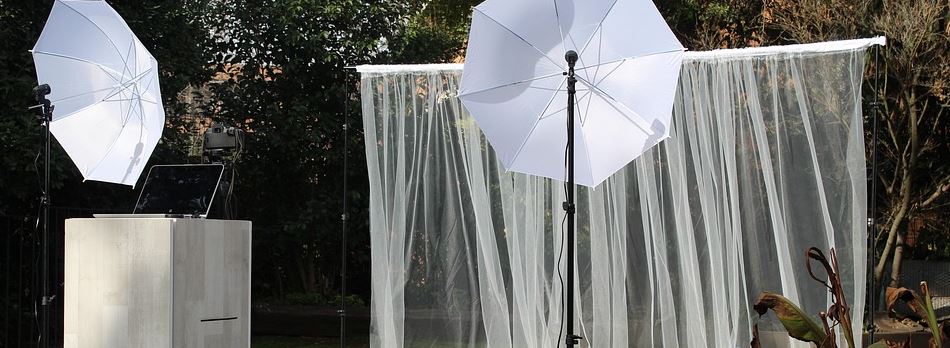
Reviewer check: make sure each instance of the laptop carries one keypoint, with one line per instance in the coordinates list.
(176, 191)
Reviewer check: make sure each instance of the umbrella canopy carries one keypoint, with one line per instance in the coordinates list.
(514, 82)
(108, 113)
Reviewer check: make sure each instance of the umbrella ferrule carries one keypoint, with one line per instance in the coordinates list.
(571, 58)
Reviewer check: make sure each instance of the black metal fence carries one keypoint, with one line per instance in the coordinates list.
(18, 281)
(20, 277)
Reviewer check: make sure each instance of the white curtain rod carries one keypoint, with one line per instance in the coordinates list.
(732, 53)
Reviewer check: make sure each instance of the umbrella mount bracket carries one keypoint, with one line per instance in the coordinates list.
(44, 113)
(573, 340)
(570, 208)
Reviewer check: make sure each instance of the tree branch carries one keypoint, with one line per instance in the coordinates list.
(943, 186)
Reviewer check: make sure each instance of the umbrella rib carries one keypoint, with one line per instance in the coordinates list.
(114, 46)
(128, 99)
(511, 84)
(557, 17)
(580, 58)
(521, 38)
(588, 67)
(103, 67)
(600, 26)
(148, 85)
(590, 166)
(128, 113)
(617, 105)
(60, 118)
(600, 50)
(111, 146)
(583, 119)
(587, 111)
(129, 83)
(142, 116)
(533, 128)
(611, 72)
(546, 89)
(82, 94)
(583, 97)
(627, 58)
(125, 62)
(108, 73)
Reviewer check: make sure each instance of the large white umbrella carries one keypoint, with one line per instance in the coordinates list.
(514, 83)
(603, 71)
(108, 112)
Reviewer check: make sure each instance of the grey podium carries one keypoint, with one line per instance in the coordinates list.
(157, 282)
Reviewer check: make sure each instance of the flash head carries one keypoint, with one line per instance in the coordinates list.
(40, 92)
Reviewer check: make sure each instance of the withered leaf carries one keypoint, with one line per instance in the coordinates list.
(798, 324)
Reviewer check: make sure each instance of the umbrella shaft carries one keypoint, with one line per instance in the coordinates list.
(569, 206)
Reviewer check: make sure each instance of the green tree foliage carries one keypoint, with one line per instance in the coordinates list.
(437, 33)
(175, 37)
(19, 130)
(285, 82)
(712, 24)
(273, 68)
(276, 68)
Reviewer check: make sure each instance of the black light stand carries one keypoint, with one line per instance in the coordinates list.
(44, 112)
(342, 311)
(873, 292)
(569, 206)
(224, 145)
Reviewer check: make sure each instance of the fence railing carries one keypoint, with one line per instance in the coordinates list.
(20, 276)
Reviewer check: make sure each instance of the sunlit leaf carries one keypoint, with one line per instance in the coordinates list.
(798, 324)
(936, 340)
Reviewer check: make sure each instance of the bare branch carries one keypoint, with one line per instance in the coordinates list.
(942, 187)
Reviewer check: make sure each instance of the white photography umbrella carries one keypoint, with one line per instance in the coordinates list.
(536, 68)
(514, 82)
(108, 113)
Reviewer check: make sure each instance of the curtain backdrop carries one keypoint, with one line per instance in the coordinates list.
(765, 159)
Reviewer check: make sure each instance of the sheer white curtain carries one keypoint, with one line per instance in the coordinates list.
(765, 160)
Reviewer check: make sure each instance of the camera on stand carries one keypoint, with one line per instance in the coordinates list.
(223, 145)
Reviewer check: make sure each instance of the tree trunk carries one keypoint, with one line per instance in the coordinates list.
(280, 281)
(892, 235)
(896, 265)
(305, 271)
(910, 103)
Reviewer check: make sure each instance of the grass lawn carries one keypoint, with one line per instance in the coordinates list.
(306, 342)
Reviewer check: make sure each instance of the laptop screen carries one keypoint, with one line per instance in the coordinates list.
(186, 189)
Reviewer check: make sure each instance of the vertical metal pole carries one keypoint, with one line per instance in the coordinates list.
(872, 226)
(8, 240)
(569, 206)
(45, 244)
(19, 293)
(342, 312)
